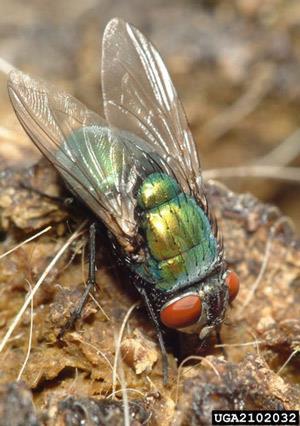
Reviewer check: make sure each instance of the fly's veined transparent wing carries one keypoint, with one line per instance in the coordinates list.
(101, 166)
(139, 96)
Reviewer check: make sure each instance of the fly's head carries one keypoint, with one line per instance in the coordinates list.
(202, 308)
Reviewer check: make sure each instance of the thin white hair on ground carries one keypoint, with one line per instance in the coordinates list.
(33, 237)
(39, 283)
(196, 358)
(264, 264)
(30, 334)
(295, 352)
(118, 346)
(126, 409)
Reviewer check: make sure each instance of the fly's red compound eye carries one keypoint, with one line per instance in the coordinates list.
(233, 284)
(182, 312)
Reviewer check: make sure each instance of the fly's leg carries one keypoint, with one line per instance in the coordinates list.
(65, 201)
(91, 282)
(165, 364)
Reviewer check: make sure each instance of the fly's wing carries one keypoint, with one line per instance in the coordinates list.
(100, 166)
(139, 96)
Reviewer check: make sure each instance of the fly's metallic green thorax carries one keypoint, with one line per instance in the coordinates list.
(179, 238)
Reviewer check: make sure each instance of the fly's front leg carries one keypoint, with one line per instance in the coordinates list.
(165, 363)
(91, 282)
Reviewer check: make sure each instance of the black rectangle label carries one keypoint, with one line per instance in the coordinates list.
(254, 418)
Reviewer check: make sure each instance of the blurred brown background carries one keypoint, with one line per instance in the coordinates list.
(236, 66)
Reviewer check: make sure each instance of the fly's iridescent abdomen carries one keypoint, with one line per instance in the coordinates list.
(180, 243)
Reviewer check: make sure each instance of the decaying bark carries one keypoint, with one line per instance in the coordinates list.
(72, 380)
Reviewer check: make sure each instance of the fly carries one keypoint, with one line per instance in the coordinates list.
(139, 172)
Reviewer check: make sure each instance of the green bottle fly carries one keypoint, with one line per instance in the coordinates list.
(139, 172)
